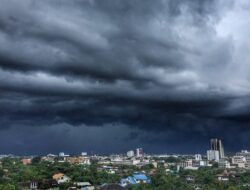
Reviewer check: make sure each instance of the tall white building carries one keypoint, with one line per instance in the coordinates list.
(213, 155)
(130, 153)
(216, 144)
(61, 154)
(139, 152)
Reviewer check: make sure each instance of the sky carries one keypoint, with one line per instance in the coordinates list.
(109, 76)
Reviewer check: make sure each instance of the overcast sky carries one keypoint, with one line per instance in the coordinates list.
(109, 76)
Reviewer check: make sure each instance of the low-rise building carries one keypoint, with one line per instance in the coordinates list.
(224, 163)
(244, 153)
(239, 161)
(223, 177)
(188, 165)
(26, 161)
(29, 185)
(136, 178)
(247, 164)
(189, 178)
(61, 178)
(78, 160)
(84, 186)
(197, 157)
(49, 158)
(201, 163)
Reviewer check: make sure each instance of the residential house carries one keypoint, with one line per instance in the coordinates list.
(61, 178)
(136, 178)
(26, 161)
(30, 185)
(189, 178)
(84, 186)
(223, 177)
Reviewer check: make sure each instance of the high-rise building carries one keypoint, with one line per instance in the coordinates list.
(216, 144)
(61, 154)
(130, 153)
(139, 152)
(213, 155)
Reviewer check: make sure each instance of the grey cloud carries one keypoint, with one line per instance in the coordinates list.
(175, 68)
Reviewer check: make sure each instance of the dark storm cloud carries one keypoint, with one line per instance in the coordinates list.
(169, 70)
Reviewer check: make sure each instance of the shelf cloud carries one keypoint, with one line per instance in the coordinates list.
(167, 72)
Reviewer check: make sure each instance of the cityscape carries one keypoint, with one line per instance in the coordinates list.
(134, 169)
(124, 95)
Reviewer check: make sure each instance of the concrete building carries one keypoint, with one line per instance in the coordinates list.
(130, 153)
(247, 164)
(31, 185)
(216, 144)
(84, 186)
(49, 158)
(244, 153)
(34, 185)
(84, 154)
(240, 161)
(223, 177)
(26, 161)
(188, 165)
(62, 157)
(223, 163)
(134, 179)
(213, 155)
(197, 157)
(78, 160)
(200, 163)
(61, 154)
(139, 152)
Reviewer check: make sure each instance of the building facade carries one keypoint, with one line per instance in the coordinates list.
(216, 144)
(213, 155)
(130, 153)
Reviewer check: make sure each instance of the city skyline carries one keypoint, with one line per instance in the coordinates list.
(215, 145)
(110, 76)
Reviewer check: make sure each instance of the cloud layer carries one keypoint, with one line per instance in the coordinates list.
(165, 72)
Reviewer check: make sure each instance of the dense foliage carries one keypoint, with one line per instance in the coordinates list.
(13, 172)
